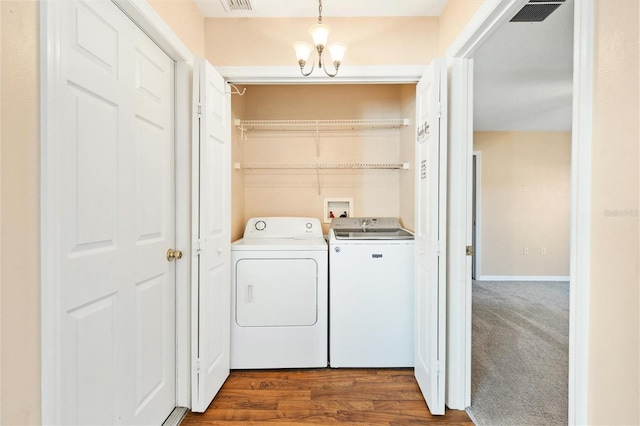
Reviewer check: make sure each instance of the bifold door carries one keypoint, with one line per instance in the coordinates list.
(211, 295)
(430, 267)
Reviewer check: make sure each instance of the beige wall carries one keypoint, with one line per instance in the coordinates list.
(370, 41)
(407, 154)
(19, 215)
(185, 19)
(524, 202)
(0, 214)
(295, 192)
(453, 19)
(614, 357)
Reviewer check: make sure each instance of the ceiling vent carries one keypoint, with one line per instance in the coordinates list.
(536, 10)
(237, 5)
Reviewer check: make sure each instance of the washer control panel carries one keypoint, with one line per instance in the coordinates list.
(365, 223)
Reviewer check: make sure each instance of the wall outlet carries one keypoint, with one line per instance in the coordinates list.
(525, 250)
(543, 250)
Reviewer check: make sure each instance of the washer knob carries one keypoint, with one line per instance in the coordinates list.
(309, 225)
(260, 225)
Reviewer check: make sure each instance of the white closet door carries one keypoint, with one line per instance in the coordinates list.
(430, 235)
(211, 302)
(114, 219)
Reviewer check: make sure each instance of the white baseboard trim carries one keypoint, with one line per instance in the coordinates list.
(522, 278)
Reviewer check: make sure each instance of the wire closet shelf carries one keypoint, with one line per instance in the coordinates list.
(306, 126)
(321, 166)
(316, 127)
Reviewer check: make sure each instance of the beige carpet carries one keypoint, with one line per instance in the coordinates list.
(520, 353)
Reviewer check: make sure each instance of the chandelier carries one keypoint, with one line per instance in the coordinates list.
(319, 34)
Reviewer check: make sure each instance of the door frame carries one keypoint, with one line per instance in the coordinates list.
(477, 183)
(141, 14)
(488, 18)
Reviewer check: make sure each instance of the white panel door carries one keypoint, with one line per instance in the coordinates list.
(211, 303)
(430, 237)
(114, 221)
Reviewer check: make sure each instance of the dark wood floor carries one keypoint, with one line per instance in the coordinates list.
(373, 397)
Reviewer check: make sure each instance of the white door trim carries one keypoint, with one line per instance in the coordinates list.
(580, 281)
(477, 249)
(487, 19)
(460, 145)
(150, 22)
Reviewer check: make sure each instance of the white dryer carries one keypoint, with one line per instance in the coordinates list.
(279, 305)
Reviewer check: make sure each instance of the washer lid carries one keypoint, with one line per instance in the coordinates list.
(369, 228)
(372, 234)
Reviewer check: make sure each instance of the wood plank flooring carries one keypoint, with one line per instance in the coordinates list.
(373, 397)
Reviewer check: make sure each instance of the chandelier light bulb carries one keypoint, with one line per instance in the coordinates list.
(303, 50)
(337, 51)
(320, 34)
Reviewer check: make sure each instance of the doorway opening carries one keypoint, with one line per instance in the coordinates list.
(525, 191)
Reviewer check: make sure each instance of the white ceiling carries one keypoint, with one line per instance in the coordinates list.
(309, 8)
(522, 73)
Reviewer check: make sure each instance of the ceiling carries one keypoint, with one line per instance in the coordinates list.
(522, 73)
(309, 8)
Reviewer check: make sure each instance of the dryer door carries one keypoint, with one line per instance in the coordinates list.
(276, 292)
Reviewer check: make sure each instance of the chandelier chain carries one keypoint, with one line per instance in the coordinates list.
(319, 11)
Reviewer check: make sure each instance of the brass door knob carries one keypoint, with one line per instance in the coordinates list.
(173, 254)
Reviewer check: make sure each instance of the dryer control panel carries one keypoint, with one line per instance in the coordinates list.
(283, 227)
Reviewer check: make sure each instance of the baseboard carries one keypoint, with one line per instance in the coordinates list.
(522, 278)
(176, 416)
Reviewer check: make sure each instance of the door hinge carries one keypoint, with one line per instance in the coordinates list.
(197, 249)
(438, 248)
(197, 366)
(436, 368)
(469, 251)
(199, 110)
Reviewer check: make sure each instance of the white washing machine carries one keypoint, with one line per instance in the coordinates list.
(279, 304)
(371, 293)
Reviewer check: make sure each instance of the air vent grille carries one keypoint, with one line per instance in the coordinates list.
(237, 5)
(536, 10)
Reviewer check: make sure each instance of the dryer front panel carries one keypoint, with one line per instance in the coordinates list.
(276, 292)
